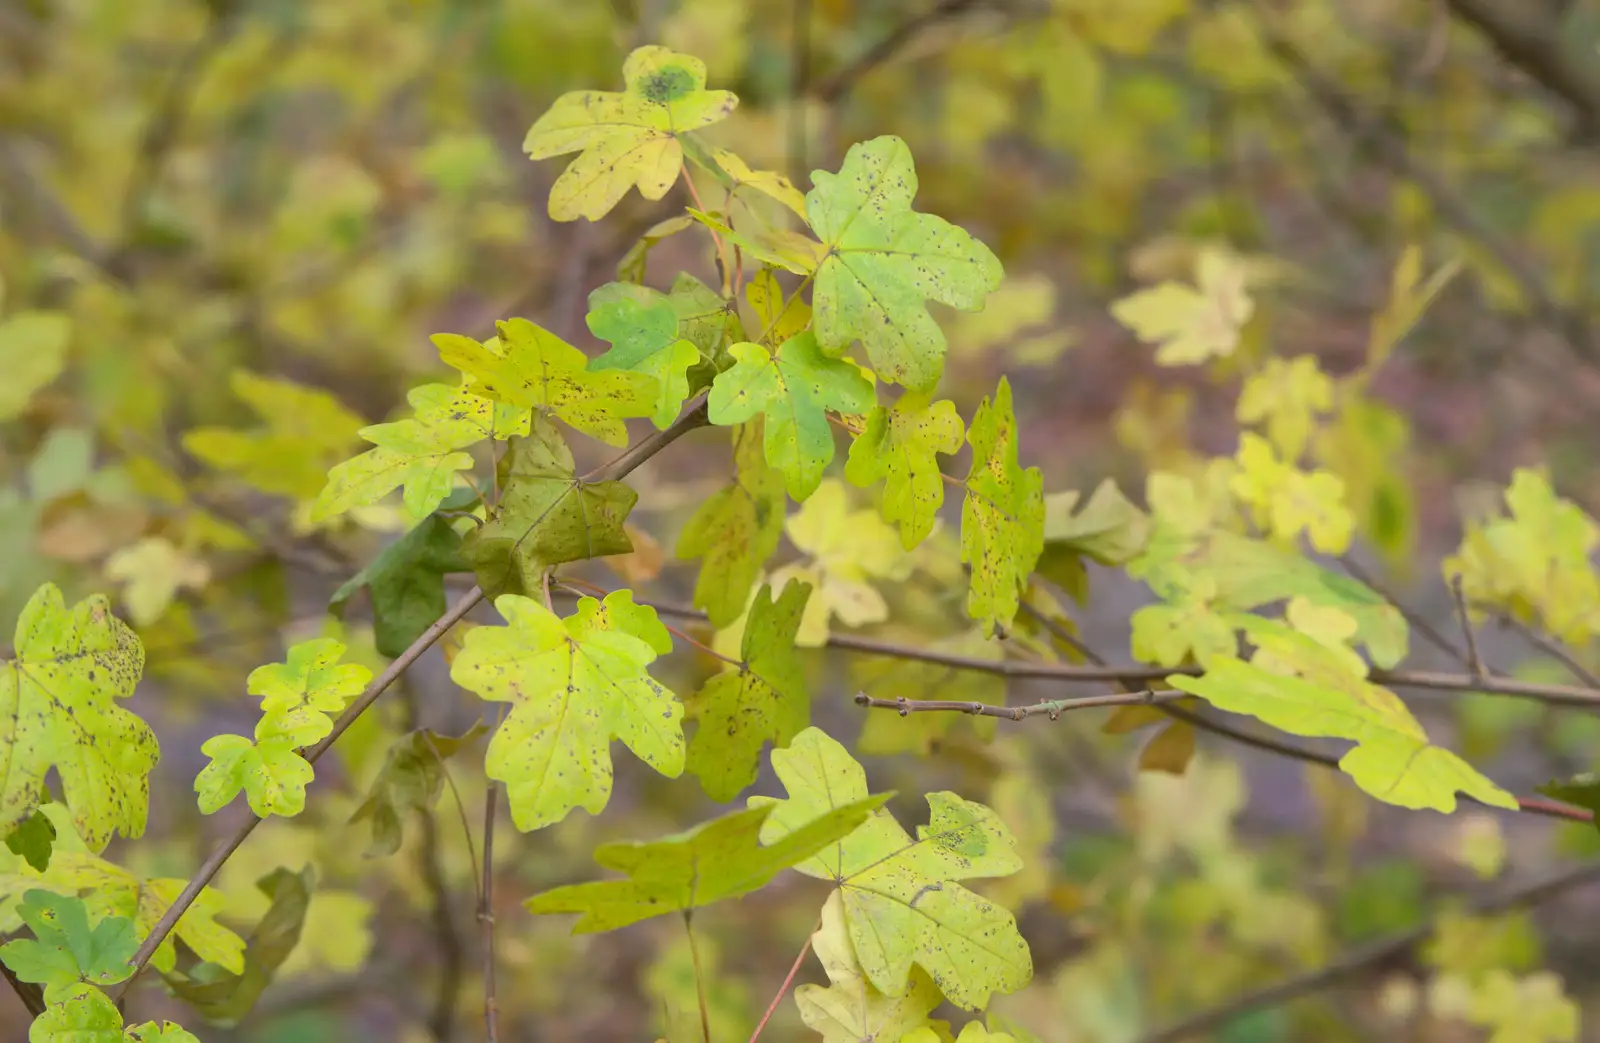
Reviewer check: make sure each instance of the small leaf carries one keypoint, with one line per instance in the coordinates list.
(84, 1015)
(793, 387)
(270, 772)
(572, 685)
(736, 530)
(1002, 518)
(884, 260)
(632, 266)
(546, 515)
(33, 351)
(902, 905)
(763, 699)
(33, 839)
(851, 1010)
(899, 446)
(65, 950)
(411, 779)
(716, 860)
(406, 583)
(305, 431)
(153, 571)
(1169, 750)
(645, 339)
(530, 367)
(628, 138)
(1192, 325)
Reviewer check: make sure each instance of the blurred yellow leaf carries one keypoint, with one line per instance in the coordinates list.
(1192, 324)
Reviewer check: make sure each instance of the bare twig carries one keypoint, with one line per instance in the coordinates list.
(430, 862)
(1474, 660)
(223, 851)
(838, 83)
(1418, 622)
(699, 975)
(1530, 39)
(491, 1009)
(1362, 957)
(1052, 709)
(1551, 648)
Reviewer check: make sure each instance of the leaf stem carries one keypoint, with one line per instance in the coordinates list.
(723, 267)
(699, 975)
(491, 1009)
(783, 989)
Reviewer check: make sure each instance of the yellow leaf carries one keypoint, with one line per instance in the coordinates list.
(152, 572)
(1192, 324)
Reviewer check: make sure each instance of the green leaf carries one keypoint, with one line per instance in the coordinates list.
(32, 839)
(421, 453)
(166, 1032)
(884, 260)
(572, 685)
(298, 694)
(723, 858)
(736, 530)
(1393, 760)
(644, 339)
(58, 699)
(86, 1015)
(1581, 790)
(530, 367)
(33, 351)
(763, 699)
(65, 950)
(270, 771)
(1002, 518)
(628, 138)
(406, 583)
(851, 1010)
(793, 387)
(902, 905)
(226, 997)
(546, 515)
(898, 446)
(411, 779)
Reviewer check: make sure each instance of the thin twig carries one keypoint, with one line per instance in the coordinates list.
(1418, 622)
(491, 1009)
(1374, 952)
(1053, 708)
(224, 850)
(835, 85)
(699, 975)
(1474, 660)
(461, 810)
(693, 416)
(783, 990)
(1551, 648)
(446, 938)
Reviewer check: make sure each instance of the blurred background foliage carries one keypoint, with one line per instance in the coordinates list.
(228, 228)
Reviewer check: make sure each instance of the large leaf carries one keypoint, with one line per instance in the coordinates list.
(572, 685)
(761, 700)
(902, 905)
(723, 858)
(1002, 517)
(628, 138)
(546, 515)
(793, 387)
(58, 710)
(884, 260)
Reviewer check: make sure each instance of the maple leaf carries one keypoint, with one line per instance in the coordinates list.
(1108, 529)
(58, 699)
(1002, 518)
(305, 431)
(1192, 325)
(296, 698)
(83, 1015)
(1532, 1009)
(572, 685)
(793, 387)
(1393, 759)
(737, 174)
(628, 138)
(762, 699)
(546, 515)
(1168, 634)
(422, 452)
(406, 584)
(65, 949)
(850, 1010)
(899, 445)
(902, 905)
(528, 366)
(1288, 500)
(1286, 395)
(153, 571)
(736, 530)
(845, 550)
(644, 339)
(884, 260)
(33, 352)
(780, 319)
(724, 858)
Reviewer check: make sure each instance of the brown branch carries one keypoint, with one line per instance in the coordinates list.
(1531, 41)
(491, 1008)
(1551, 648)
(1372, 953)
(1474, 659)
(1053, 708)
(837, 84)
(1418, 623)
